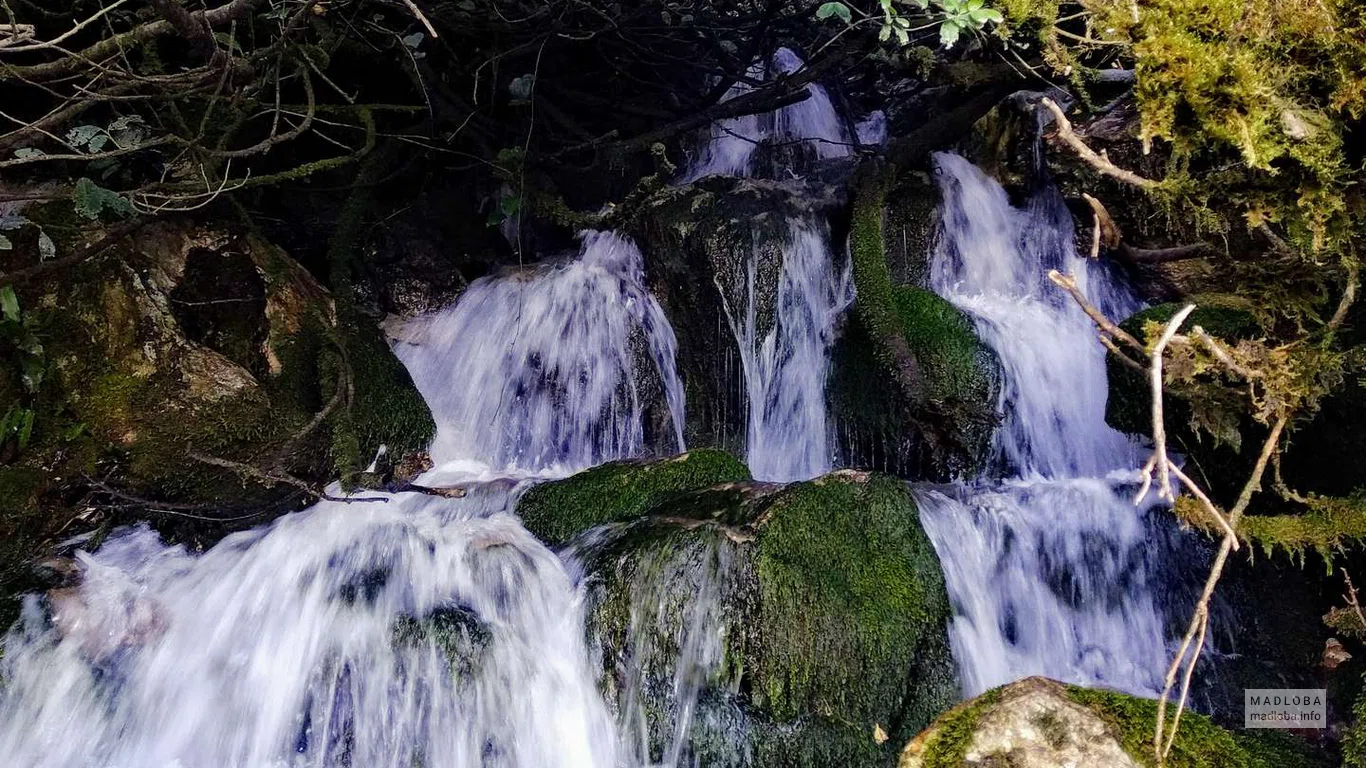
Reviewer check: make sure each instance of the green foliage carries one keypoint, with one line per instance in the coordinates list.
(93, 201)
(1354, 738)
(837, 10)
(953, 17)
(1253, 101)
(561, 509)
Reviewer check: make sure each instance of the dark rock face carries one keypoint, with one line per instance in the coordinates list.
(700, 244)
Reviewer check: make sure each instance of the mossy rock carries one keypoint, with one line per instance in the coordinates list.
(559, 510)
(188, 338)
(913, 382)
(1040, 723)
(824, 604)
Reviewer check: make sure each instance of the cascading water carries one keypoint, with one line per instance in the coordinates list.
(785, 369)
(397, 630)
(728, 149)
(1051, 571)
(541, 367)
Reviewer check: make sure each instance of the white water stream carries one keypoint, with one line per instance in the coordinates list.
(1051, 571)
(403, 631)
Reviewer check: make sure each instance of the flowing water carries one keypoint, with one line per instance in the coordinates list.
(1053, 570)
(545, 368)
(785, 368)
(813, 123)
(400, 630)
(785, 371)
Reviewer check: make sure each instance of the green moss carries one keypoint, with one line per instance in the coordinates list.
(956, 365)
(829, 602)
(559, 510)
(1325, 529)
(948, 743)
(1199, 742)
(875, 305)
(851, 592)
(945, 378)
(1354, 739)
(388, 410)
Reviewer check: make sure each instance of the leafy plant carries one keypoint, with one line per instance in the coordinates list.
(26, 351)
(13, 222)
(953, 17)
(92, 200)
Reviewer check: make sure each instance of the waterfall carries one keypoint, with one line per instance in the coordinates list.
(786, 370)
(729, 146)
(396, 630)
(544, 368)
(1052, 571)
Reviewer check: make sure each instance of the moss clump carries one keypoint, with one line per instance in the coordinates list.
(827, 599)
(388, 410)
(1199, 742)
(957, 366)
(559, 510)
(948, 743)
(851, 593)
(944, 377)
(1325, 529)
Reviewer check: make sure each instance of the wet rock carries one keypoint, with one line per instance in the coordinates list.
(186, 337)
(794, 623)
(1040, 723)
(454, 631)
(619, 491)
(706, 245)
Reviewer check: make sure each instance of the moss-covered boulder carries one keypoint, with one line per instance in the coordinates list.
(803, 624)
(958, 371)
(911, 366)
(1040, 723)
(621, 490)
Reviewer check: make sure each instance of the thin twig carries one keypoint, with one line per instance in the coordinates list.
(1069, 283)
(1092, 158)
(412, 6)
(1163, 465)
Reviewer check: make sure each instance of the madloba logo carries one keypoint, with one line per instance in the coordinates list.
(1284, 708)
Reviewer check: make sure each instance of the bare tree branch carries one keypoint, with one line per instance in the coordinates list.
(1092, 158)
